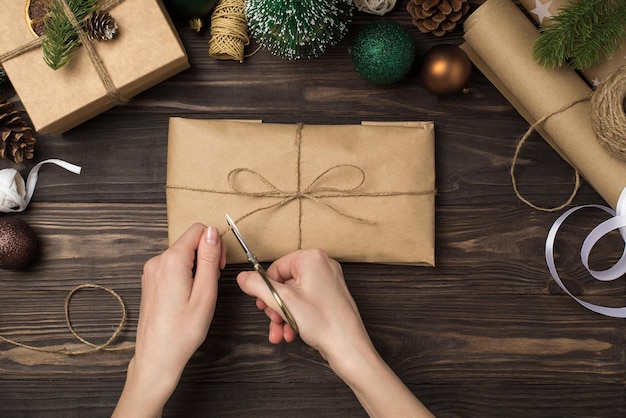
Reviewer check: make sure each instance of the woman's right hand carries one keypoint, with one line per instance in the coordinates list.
(313, 288)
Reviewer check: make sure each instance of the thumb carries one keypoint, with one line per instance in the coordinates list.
(208, 262)
(252, 284)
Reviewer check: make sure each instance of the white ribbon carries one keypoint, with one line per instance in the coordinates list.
(618, 221)
(14, 194)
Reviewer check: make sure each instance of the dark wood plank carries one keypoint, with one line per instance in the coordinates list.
(485, 333)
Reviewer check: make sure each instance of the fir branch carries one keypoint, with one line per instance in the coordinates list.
(605, 38)
(61, 37)
(584, 32)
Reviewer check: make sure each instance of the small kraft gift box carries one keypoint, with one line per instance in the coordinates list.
(145, 51)
(362, 193)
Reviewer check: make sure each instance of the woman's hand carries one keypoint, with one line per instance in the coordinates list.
(179, 293)
(314, 290)
(313, 287)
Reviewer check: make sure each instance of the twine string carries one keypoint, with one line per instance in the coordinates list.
(106, 346)
(104, 75)
(608, 113)
(313, 191)
(518, 148)
(229, 31)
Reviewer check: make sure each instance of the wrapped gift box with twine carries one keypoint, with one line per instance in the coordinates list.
(146, 51)
(362, 193)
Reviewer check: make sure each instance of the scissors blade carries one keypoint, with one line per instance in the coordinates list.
(257, 266)
(239, 237)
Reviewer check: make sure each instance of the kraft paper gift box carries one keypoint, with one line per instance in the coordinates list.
(362, 193)
(146, 51)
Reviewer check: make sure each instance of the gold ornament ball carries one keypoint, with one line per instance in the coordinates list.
(446, 70)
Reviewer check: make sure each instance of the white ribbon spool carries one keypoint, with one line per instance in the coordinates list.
(15, 195)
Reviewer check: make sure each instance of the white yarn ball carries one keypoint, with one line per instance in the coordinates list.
(12, 190)
(376, 7)
(15, 195)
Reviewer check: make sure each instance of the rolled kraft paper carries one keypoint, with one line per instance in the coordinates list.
(499, 40)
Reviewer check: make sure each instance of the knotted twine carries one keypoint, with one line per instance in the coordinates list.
(104, 75)
(607, 111)
(312, 192)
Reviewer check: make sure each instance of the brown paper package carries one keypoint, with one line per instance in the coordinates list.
(146, 51)
(499, 40)
(389, 218)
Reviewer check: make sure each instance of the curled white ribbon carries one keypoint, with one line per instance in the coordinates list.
(617, 221)
(15, 195)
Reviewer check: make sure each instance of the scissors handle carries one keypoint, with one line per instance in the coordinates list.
(290, 320)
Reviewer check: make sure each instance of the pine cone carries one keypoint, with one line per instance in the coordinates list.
(437, 16)
(101, 26)
(17, 142)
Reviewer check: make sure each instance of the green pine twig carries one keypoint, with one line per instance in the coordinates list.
(61, 37)
(583, 32)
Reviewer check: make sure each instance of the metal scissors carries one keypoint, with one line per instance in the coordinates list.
(257, 266)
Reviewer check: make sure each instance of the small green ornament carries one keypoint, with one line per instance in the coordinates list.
(191, 8)
(383, 52)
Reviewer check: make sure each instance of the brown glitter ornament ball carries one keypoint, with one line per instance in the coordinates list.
(18, 243)
(446, 70)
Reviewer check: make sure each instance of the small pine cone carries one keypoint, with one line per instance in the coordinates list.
(437, 16)
(17, 140)
(101, 26)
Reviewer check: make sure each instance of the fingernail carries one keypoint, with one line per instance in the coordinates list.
(212, 236)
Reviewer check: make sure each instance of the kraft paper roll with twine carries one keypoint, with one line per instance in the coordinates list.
(499, 40)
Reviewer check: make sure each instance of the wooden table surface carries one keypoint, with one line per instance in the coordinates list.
(485, 333)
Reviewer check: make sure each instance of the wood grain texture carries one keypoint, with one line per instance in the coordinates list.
(486, 333)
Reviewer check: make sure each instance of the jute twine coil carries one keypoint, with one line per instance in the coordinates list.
(607, 110)
(106, 346)
(376, 7)
(608, 113)
(229, 31)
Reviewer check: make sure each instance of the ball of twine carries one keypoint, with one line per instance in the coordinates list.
(608, 113)
(229, 31)
(376, 7)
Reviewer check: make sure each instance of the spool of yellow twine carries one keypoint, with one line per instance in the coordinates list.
(608, 113)
(229, 31)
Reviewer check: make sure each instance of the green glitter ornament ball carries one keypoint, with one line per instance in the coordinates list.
(383, 52)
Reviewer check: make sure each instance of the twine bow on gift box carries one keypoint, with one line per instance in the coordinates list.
(104, 75)
(314, 191)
